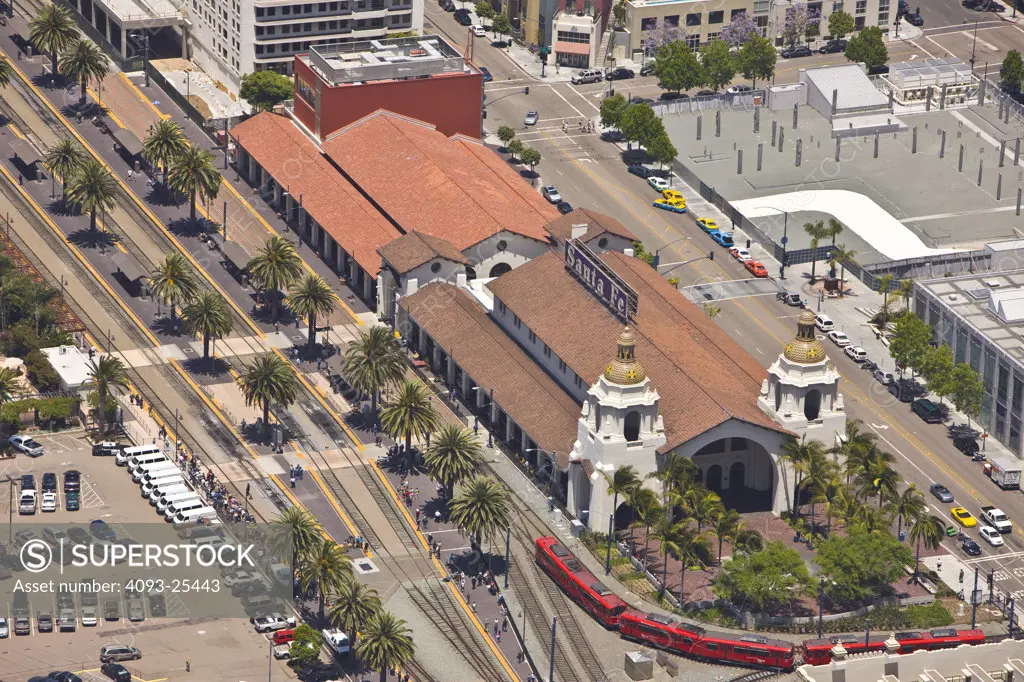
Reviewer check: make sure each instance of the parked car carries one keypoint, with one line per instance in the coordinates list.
(112, 610)
(551, 194)
(64, 676)
(564, 207)
(832, 46)
(706, 93)
(587, 76)
(914, 18)
(927, 410)
(105, 449)
(620, 73)
(739, 253)
(672, 96)
(674, 205)
(941, 492)
(49, 502)
(647, 69)
(641, 100)
(49, 482)
(5, 630)
(44, 621)
(659, 184)
(72, 480)
(26, 445)
(119, 652)
(641, 170)
(28, 482)
(707, 224)
(272, 623)
(116, 672)
(739, 89)
(796, 51)
(89, 616)
(479, 31)
(531, 118)
(464, 19)
(722, 238)
(839, 338)
(856, 353)
(756, 268)
(883, 377)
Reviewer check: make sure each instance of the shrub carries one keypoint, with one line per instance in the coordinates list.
(40, 372)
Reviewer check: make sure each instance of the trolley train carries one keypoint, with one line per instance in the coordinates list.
(752, 650)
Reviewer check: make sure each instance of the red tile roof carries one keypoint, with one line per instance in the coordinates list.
(452, 188)
(596, 224)
(290, 157)
(414, 249)
(703, 376)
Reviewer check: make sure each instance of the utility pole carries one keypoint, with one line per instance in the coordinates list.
(551, 669)
(508, 547)
(974, 599)
(608, 553)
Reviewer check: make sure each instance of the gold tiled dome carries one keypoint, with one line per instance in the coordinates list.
(625, 369)
(805, 348)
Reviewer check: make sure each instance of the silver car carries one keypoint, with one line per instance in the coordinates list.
(26, 445)
(531, 118)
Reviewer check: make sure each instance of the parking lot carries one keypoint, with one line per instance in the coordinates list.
(215, 648)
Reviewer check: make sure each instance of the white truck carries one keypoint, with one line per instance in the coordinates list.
(995, 517)
(1004, 471)
(337, 641)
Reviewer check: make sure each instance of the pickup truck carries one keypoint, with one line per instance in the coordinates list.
(997, 519)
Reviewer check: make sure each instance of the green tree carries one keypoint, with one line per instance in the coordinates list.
(769, 580)
(173, 282)
(834, 494)
(840, 256)
(515, 147)
(906, 292)
(305, 648)
(6, 72)
(1011, 72)
(693, 549)
(968, 390)
(482, 508)
(649, 511)
(410, 413)
(719, 66)
(84, 61)
(52, 30)
(880, 480)
(621, 481)
(506, 134)
(612, 109)
(797, 453)
(386, 644)
(65, 159)
(327, 567)
(106, 374)
(619, 12)
(353, 604)
(726, 526)
(868, 47)
(531, 157)
(10, 384)
(937, 369)
(484, 10)
(666, 532)
(756, 59)
(640, 124)
(700, 505)
(453, 456)
(312, 298)
(501, 25)
(265, 89)
(274, 268)
(818, 470)
(678, 68)
(927, 530)
(662, 150)
(909, 342)
(840, 24)
(164, 143)
(906, 506)
(193, 174)
(208, 317)
(816, 231)
(884, 283)
(91, 189)
(862, 565)
(269, 380)
(295, 532)
(373, 361)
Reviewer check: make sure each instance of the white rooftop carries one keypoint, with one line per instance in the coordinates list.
(71, 365)
(1007, 304)
(925, 72)
(128, 11)
(855, 90)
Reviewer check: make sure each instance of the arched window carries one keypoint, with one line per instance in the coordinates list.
(737, 476)
(500, 269)
(470, 273)
(714, 480)
(778, 395)
(812, 404)
(632, 426)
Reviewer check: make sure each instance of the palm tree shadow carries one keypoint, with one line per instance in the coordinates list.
(92, 239)
(208, 367)
(162, 325)
(183, 227)
(159, 196)
(61, 207)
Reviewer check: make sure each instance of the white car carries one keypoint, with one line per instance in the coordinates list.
(479, 31)
(89, 616)
(856, 353)
(5, 630)
(239, 578)
(26, 445)
(660, 184)
(737, 89)
(551, 194)
(991, 535)
(49, 503)
(272, 623)
(135, 611)
(839, 338)
(741, 254)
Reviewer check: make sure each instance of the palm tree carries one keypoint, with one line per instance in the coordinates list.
(373, 361)
(677, 473)
(666, 531)
(274, 268)
(482, 508)
(193, 174)
(411, 413)
(701, 505)
(884, 284)
(84, 61)
(174, 282)
(10, 383)
(353, 605)
(650, 511)
(640, 498)
(386, 644)
(726, 526)
(907, 505)
(298, 533)
(11, 289)
(52, 30)
(840, 254)
(819, 470)
(749, 540)
(834, 229)
(816, 232)
(927, 529)
(880, 479)
(6, 72)
(106, 373)
(906, 291)
(64, 159)
(327, 566)
(207, 316)
(833, 492)
(622, 480)
(165, 142)
(268, 379)
(91, 189)
(855, 443)
(453, 456)
(311, 298)
(693, 549)
(871, 519)
(797, 453)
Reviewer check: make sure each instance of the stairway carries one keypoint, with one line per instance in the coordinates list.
(603, 56)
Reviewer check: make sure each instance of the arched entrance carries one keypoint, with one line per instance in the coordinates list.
(624, 515)
(778, 396)
(812, 404)
(500, 269)
(632, 427)
(714, 479)
(737, 476)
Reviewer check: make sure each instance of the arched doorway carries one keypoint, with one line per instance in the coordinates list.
(812, 404)
(632, 427)
(624, 516)
(737, 476)
(470, 273)
(500, 269)
(714, 481)
(778, 396)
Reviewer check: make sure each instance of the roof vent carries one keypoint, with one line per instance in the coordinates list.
(993, 283)
(953, 297)
(579, 230)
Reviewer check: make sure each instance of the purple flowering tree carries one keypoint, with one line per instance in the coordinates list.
(662, 34)
(800, 23)
(739, 30)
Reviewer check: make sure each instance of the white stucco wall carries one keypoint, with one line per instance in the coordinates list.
(517, 251)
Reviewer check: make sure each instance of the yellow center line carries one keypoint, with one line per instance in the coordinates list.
(142, 96)
(14, 129)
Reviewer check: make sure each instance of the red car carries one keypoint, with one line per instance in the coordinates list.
(756, 269)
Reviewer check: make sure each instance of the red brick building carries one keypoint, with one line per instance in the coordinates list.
(421, 77)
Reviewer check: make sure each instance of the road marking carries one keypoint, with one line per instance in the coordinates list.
(566, 101)
(14, 129)
(582, 97)
(930, 55)
(879, 426)
(987, 46)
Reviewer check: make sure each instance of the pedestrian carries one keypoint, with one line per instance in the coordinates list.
(418, 511)
(476, 427)
(495, 626)
(498, 635)
(292, 480)
(474, 582)
(504, 624)
(188, 666)
(437, 516)
(474, 607)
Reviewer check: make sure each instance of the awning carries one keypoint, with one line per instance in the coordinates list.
(128, 141)
(126, 265)
(24, 151)
(235, 254)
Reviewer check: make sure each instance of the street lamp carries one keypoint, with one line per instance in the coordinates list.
(10, 514)
(821, 597)
(974, 44)
(145, 53)
(657, 252)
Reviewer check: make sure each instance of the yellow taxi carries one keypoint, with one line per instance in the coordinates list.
(672, 195)
(963, 517)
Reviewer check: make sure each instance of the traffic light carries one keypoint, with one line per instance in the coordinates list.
(526, 90)
(711, 255)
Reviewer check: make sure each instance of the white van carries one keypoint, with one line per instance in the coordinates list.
(161, 481)
(823, 322)
(159, 472)
(174, 509)
(146, 462)
(152, 469)
(162, 491)
(193, 516)
(172, 499)
(124, 456)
